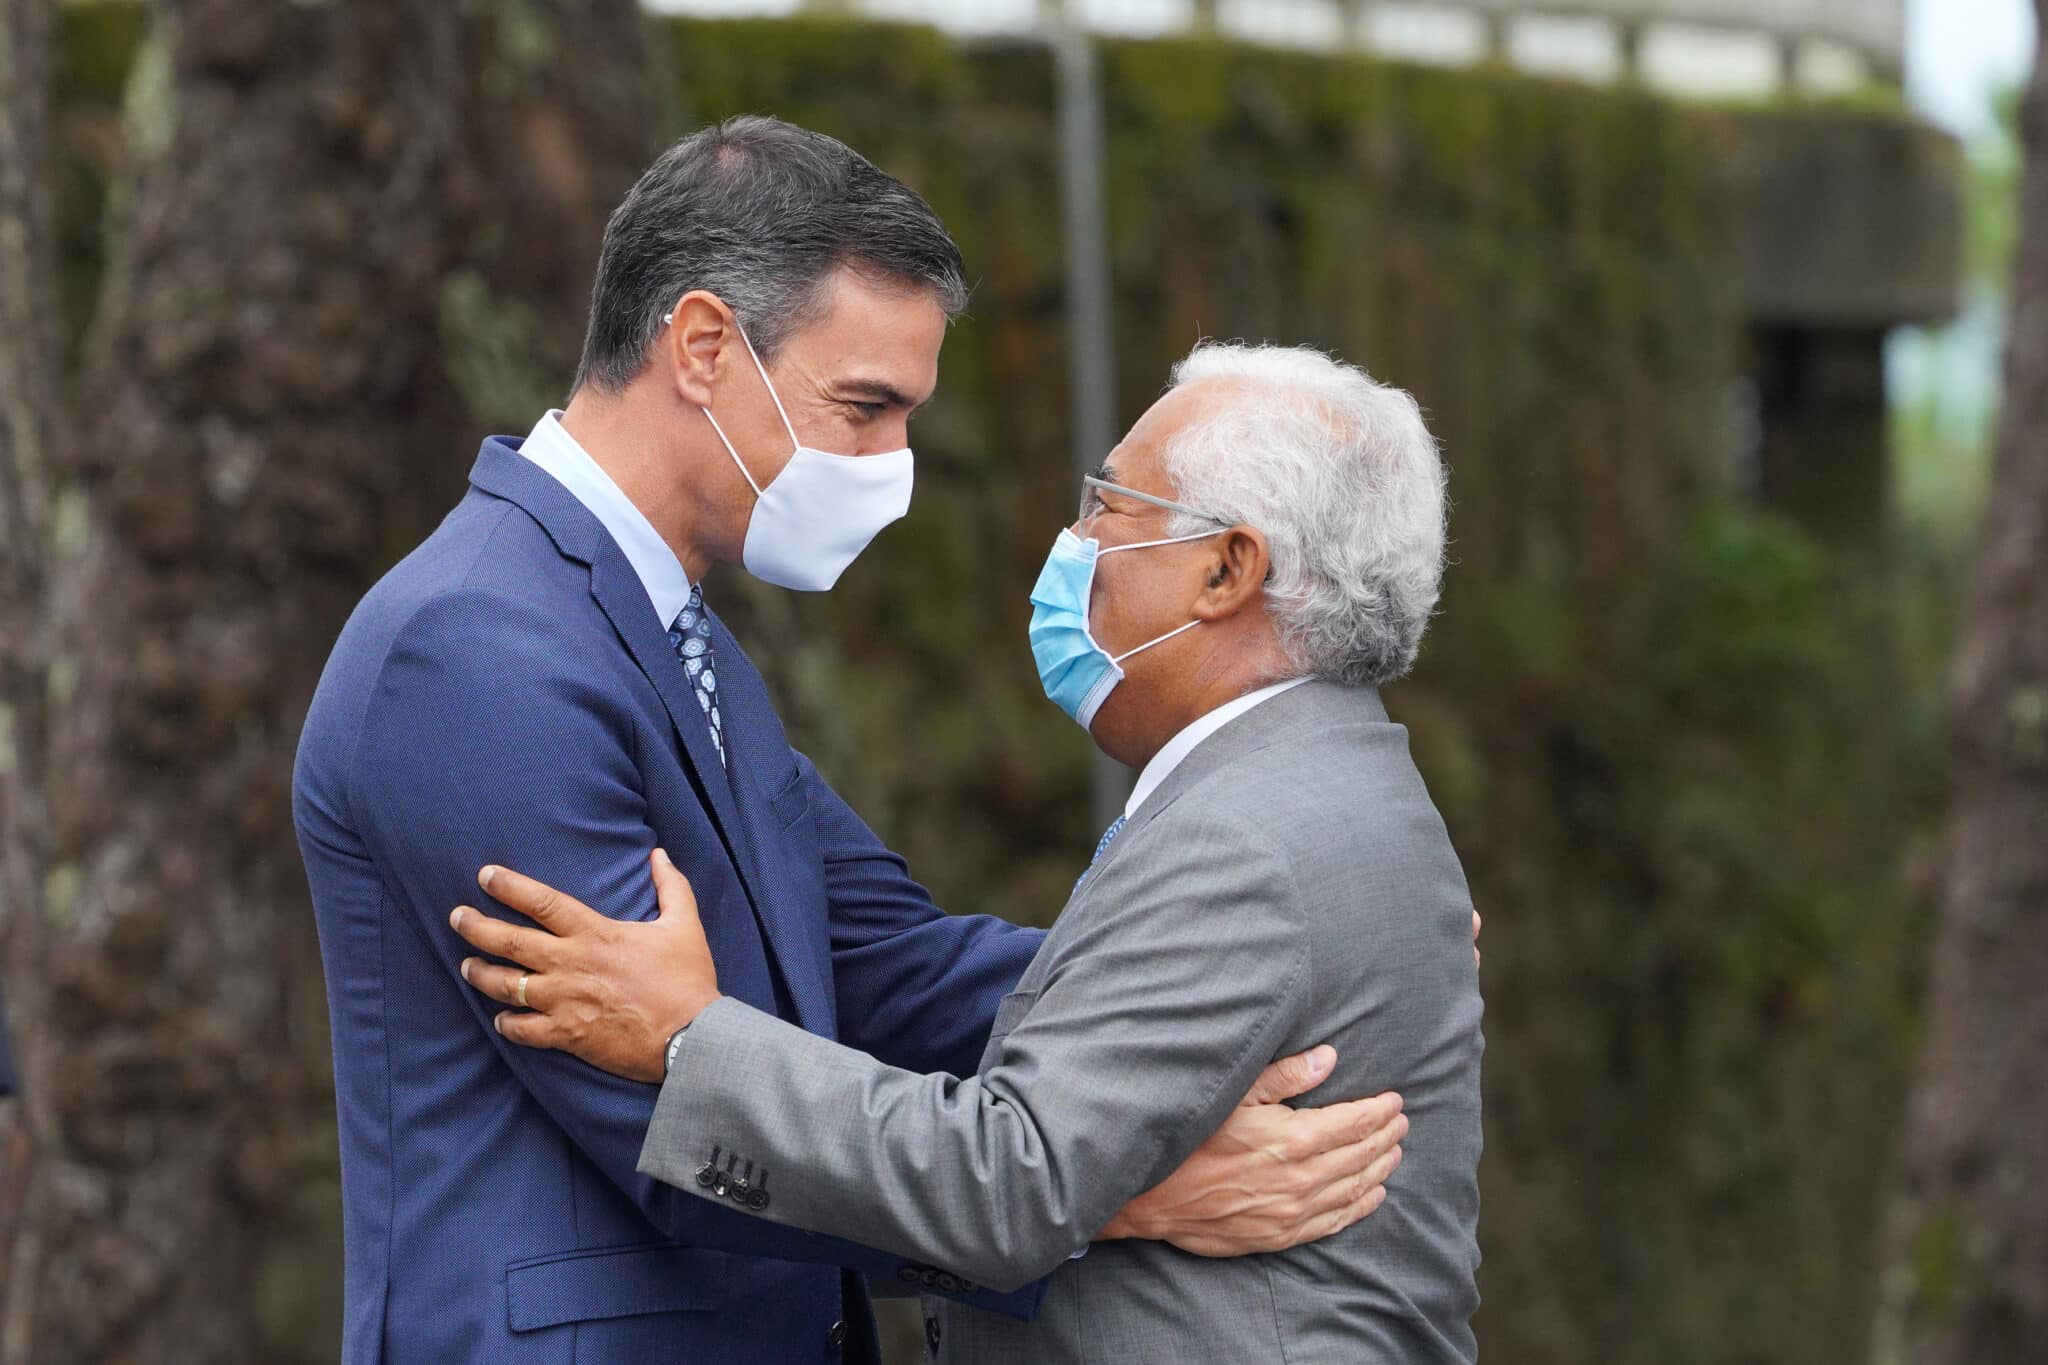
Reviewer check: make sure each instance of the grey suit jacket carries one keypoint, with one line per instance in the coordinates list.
(1290, 883)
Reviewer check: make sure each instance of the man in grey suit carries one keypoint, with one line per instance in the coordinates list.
(1280, 878)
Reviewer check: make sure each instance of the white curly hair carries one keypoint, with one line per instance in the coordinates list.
(1347, 484)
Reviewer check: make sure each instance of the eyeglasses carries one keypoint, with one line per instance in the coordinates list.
(1091, 501)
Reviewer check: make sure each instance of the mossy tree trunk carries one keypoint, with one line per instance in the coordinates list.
(27, 403)
(309, 311)
(1967, 1268)
(27, 412)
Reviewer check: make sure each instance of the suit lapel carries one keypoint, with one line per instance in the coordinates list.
(617, 590)
(619, 593)
(732, 790)
(758, 751)
(1257, 728)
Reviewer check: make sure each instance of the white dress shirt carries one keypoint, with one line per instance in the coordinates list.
(552, 448)
(1184, 743)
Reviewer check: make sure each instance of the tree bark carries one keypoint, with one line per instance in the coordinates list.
(27, 321)
(1967, 1258)
(27, 404)
(353, 233)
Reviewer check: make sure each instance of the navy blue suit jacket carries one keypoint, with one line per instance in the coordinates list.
(507, 695)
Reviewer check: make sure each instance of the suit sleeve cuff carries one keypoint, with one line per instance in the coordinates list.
(724, 1046)
(672, 1151)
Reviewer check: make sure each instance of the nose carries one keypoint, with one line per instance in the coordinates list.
(893, 436)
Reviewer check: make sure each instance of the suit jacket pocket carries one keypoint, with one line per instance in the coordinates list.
(791, 802)
(1010, 1012)
(611, 1282)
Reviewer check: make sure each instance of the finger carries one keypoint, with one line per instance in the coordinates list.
(1311, 1132)
(527, 1029)
(1376, 1176)
(1475, 938)
(1291, 1076)
(1330, 1224)
(1395, 1125)
(1357, 1186)
(1343, 1175)
(551, 909)
(1380, 1115)
(672, 891)
(1351, 1200)
(527, 947)
(502, 983)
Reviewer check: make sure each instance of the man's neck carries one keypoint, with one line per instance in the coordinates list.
(632, 451)
(1241, 678)
(1192, 736)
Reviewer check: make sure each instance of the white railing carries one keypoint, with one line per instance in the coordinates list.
(1703, 46)
(1688, 47)
(1877, 27)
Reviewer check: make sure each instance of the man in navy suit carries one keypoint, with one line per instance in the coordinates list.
(541, 680)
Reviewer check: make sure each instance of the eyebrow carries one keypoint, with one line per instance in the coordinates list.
(879, 391)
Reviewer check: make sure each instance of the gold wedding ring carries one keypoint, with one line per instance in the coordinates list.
(520, 993)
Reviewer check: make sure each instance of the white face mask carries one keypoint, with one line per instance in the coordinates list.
(821, 511)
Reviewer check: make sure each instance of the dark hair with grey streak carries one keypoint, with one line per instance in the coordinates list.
(760, 213)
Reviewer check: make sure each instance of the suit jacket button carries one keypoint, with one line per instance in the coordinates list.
(948, 1283)
(907, 1274)
(836, 1338)
(928, 1278)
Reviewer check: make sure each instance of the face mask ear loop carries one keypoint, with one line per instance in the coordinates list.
(794, 444)
(1148, 544)
(734, 453)
(1119, 659)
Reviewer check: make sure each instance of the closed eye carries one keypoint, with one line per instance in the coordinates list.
(868, 411)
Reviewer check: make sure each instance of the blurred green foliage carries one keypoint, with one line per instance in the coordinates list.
(1947, 378)
(1670, 734)
(1992, 221)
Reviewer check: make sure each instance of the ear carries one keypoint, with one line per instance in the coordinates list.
(1237, 568)
(693, 347)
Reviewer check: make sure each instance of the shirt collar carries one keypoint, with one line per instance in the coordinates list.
(552, 448)
(1181, 745)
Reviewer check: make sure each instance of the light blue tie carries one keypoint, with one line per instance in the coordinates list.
(691, 638)
(1108, 838)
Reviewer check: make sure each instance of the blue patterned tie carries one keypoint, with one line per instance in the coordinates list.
(1108, 838)
(691, 637)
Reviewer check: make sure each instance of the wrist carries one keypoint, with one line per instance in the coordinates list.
(675, 1045)
(694, 1009)
(673, 1042)
(1124, 1225)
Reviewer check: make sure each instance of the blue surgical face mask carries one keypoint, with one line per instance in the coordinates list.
(1079, 674)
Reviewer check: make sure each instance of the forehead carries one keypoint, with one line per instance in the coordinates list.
(1139, 461)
